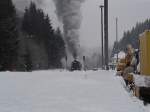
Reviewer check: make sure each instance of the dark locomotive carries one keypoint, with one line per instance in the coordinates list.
(76, 65)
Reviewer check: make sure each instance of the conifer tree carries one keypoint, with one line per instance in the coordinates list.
(37, 24)
(8, 35)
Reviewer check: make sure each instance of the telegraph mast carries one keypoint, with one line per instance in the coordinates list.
(102, 35)
(106, 33)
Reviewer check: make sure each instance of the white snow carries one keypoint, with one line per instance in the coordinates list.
(142, 81)
(62, 91)
(121, 55)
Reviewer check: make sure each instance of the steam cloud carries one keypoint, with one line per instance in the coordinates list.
(68, 12)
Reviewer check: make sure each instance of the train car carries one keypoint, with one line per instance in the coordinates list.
(145, 53)
(142, 82)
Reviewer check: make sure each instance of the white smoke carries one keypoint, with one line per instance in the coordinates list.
(68, 12)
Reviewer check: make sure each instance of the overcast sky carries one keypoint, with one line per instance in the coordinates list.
(128, 12)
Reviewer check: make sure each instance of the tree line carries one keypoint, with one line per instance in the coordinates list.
(131, 37)
(28, 42)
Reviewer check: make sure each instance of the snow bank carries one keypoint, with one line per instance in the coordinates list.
(62, 91)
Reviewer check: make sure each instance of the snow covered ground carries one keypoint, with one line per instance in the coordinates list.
(62, 91)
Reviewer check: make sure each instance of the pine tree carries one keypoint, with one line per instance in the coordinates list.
(57, 49)
(37, 24)
(8, 35)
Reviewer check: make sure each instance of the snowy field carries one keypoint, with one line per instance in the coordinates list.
(61, 91)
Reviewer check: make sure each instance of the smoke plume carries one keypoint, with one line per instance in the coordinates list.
(68, 12)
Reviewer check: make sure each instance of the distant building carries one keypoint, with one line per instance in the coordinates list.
(113, 61)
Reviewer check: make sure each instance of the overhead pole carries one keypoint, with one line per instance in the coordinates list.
(106, 33)
(102, 35)
(66, 58)
(117, 38)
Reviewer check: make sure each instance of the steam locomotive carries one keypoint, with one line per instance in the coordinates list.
(76, 65)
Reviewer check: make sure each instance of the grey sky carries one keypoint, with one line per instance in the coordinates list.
(128, 11)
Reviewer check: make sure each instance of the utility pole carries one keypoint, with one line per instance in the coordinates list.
(117, 37)
(106, 33)
(102, 35)
(84, 63)
(66, 59)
